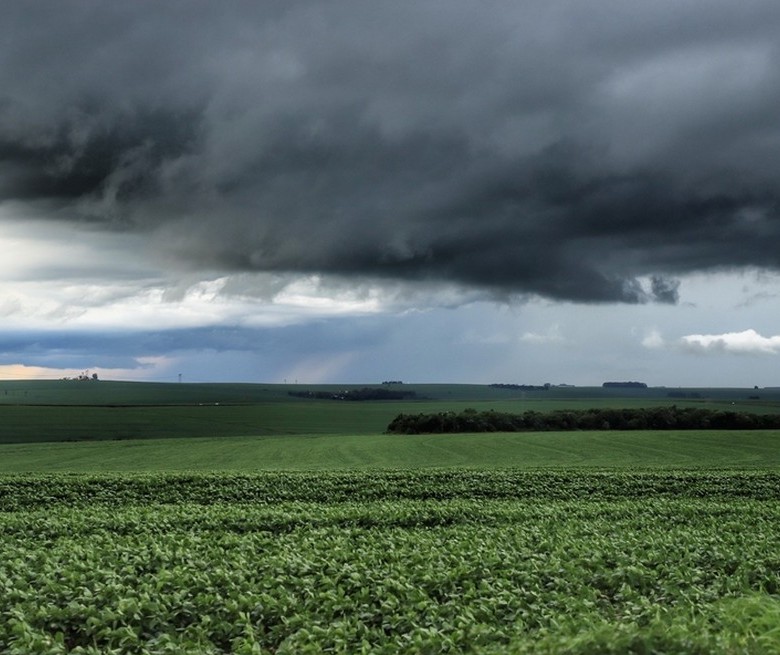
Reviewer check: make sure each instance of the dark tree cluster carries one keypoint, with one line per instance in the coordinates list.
(653, 418)
(366, 393)
(624, 385)
(520, 387)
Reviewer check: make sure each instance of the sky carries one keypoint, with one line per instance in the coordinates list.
(355, 191)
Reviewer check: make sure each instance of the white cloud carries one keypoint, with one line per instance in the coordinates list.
(55, 276)
(553, 335)
(307, 295)
(653, 340)
(745, 342)
(46, 251)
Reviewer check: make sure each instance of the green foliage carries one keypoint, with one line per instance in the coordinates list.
(653, 418)
(456, 561)
(31, 491)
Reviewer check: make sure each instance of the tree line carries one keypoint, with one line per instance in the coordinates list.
(652, 418)
(521, 387)
(366, 393)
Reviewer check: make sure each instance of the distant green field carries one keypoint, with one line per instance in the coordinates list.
(68, 392)
(69, 410)
(143, 426)
(22, 424)
(645, 450)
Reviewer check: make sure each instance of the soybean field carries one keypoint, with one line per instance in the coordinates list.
(452, 561)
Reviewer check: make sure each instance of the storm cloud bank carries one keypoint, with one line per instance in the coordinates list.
(579, 151)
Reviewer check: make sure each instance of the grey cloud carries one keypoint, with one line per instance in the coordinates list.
(96, 159)
(665, 290)
(563, 149)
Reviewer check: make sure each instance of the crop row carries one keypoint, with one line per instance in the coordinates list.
(31, 491)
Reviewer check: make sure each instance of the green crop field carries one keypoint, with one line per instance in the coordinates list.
(70, 392)
(638, 449)
(455, 561)
(151, 519)
(68, 410)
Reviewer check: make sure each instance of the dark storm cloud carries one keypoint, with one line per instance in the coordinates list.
(665, 290)
(560, 148)
(123, 154)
